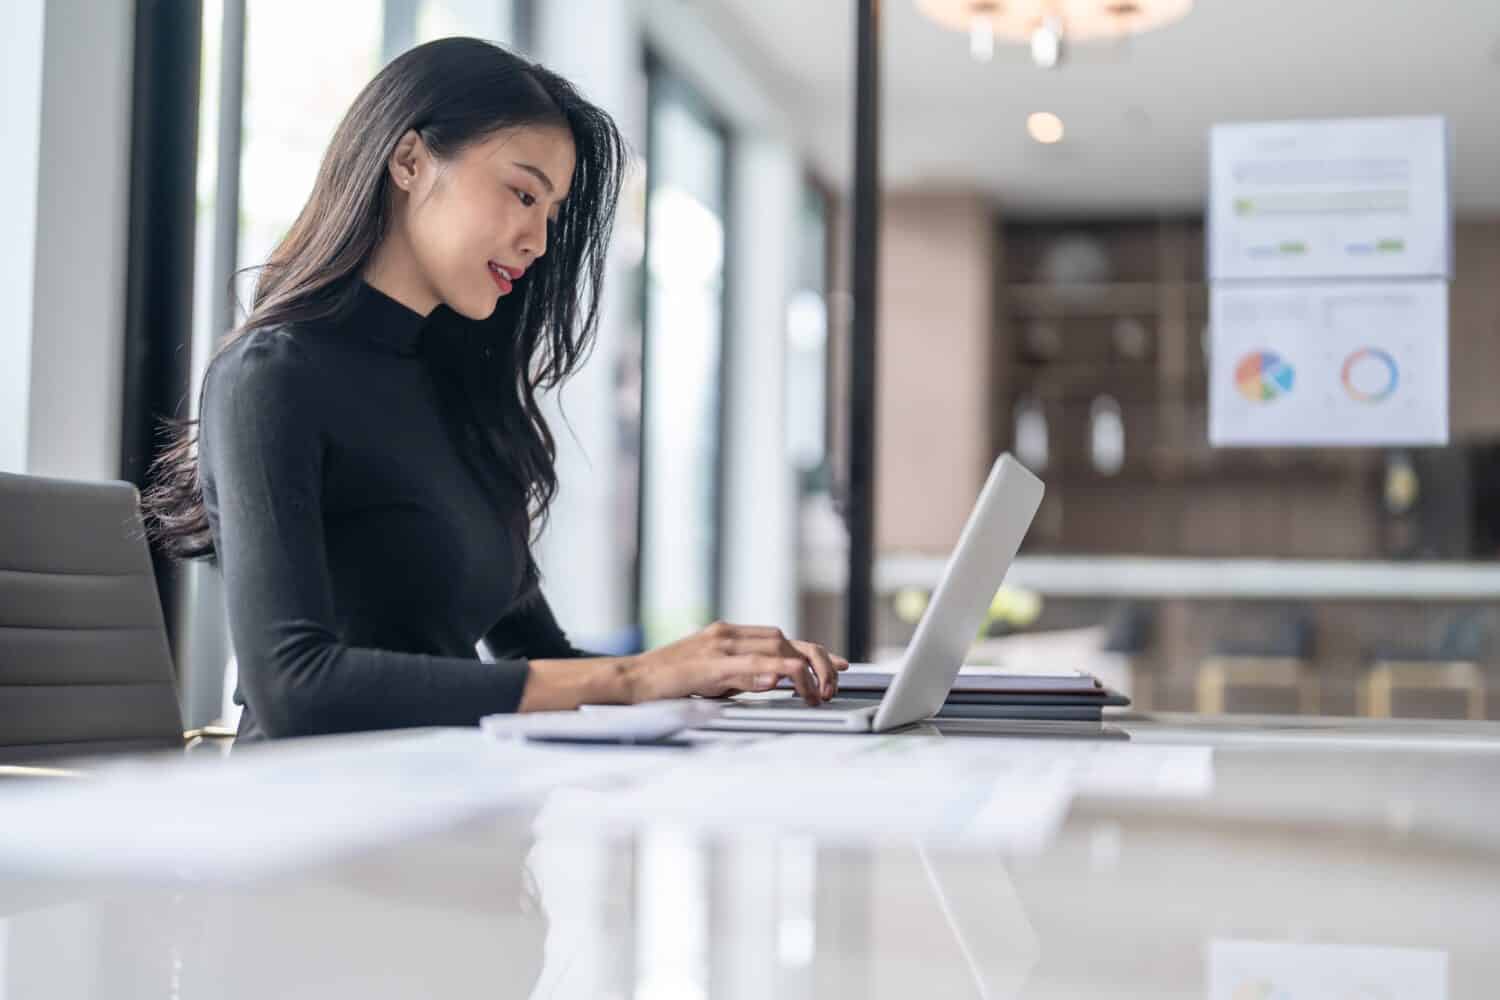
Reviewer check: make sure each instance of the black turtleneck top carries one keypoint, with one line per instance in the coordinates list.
(362, 557)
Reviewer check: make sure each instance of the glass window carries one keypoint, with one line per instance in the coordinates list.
(807, 341)
(680, 459)
(304, 65)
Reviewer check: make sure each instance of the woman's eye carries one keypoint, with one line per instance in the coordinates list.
(526, 199)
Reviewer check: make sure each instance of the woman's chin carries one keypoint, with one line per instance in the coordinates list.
(479, 307)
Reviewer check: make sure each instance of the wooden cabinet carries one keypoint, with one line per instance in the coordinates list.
(1113, 316)
(978, 315)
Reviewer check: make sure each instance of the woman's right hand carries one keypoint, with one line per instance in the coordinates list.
(725, 659)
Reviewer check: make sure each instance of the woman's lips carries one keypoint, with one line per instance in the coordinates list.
(501, 277)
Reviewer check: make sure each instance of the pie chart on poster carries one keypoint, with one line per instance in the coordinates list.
(1262, 376)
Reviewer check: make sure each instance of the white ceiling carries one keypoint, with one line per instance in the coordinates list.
(1137, 115)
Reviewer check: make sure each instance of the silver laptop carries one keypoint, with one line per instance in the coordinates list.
(974, 572)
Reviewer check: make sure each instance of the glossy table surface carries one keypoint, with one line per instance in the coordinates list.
(1228, 857)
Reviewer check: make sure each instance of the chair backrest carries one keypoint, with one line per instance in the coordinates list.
(1464, 635)
(1130, 628)
(85, 666)
(1279, 631)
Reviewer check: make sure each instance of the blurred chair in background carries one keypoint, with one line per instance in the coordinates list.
(1272, 649)
(1449, 660)
(1130, 630)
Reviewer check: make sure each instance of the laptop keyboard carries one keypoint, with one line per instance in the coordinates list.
(783, 704)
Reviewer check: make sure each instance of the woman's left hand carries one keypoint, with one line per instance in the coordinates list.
(826, 666)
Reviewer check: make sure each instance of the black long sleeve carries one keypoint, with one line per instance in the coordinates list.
(362, 560)
(530, 630)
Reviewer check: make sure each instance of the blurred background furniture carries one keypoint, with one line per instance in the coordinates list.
(1267, 649)
(85, 664)
(1449, 661)
(1130, 631)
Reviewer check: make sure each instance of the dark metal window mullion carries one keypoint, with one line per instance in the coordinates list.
(865, 215)
(727, 297)
(642, 484)
(159, 257)
(206, 646)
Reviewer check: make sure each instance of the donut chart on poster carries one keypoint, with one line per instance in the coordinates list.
(1262, 376)
(1329, 364)
(1370, 375)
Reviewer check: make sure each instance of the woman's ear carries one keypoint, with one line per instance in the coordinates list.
(408, 160)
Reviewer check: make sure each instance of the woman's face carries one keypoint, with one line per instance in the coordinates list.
(476, 222)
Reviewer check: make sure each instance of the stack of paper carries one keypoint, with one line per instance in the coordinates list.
(1065, 696)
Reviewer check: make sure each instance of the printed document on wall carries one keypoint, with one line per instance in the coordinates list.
(1329, 363)
(1353, 198)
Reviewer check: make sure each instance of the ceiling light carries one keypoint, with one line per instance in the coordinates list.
(982, 29)
(1046, 42)
(1046, 25)
(1045, 127)
(982, 39)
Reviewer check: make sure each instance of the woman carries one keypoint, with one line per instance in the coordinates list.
(371, 458)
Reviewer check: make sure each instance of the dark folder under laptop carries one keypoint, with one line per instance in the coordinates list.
(1071, 697)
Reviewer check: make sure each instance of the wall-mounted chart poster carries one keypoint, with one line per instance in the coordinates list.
(1329, 363)
(1349, 198)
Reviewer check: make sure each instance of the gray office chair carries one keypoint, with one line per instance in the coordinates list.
(1274, 651)
(85, 667)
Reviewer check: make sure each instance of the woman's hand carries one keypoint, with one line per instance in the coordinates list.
(725, 659)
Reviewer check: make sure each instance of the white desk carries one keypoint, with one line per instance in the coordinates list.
(1326, 852)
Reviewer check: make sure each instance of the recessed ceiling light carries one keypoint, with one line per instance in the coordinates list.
(1045, 127)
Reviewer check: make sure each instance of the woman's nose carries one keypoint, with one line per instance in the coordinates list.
(534, 242)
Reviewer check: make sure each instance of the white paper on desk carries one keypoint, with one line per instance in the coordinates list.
(281, 807)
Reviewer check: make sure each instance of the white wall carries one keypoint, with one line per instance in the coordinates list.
(77, 352)
(20, 136)
(65, 66)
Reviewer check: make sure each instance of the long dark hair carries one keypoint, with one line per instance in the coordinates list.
(453, 92)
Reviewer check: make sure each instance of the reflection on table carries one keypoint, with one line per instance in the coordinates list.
(1305, 858)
